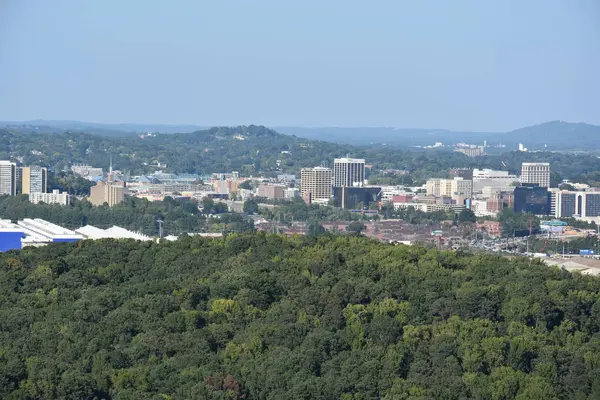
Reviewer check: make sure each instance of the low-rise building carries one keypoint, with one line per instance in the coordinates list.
(271, 191)
(55, 197)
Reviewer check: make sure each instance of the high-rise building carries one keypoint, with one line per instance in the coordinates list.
(316, 183)
(348, 172)
(567, 204)
(531, 198)
(536, 173)
(107, 192)
(34, 180)
(8, 178)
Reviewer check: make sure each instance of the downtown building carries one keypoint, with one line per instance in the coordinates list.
(458, 189)
(8, 178)
(316, 184)
(348, 172)
(577, 204)
(536, 173)
(33, 180)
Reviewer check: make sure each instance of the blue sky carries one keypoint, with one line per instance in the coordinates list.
(464, 65)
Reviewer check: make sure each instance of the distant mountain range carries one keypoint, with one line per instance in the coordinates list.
(554, 135)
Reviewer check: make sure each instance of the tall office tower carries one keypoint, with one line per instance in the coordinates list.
(536, 173)
(348, 172)
(8, 178)
(316, 183)
(34, 180)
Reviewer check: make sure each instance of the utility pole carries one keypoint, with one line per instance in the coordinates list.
(160, 228)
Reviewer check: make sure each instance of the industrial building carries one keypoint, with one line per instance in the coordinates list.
(10, 236)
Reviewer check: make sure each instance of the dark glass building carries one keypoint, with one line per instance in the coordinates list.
(356, 197)
(531, 198)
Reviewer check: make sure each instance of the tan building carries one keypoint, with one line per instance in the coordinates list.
(225, 186)
(107, 192)
(316, 183)
(34, 180)
(458, 189)
(271, 191)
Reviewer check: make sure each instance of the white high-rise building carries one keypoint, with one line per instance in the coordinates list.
(536, 173)
(348, 172)
(8, 178)
(316, 182)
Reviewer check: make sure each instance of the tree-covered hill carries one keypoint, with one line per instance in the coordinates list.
(256, 150)
(267, 317)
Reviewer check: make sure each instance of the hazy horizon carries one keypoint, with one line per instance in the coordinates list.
(464, 66)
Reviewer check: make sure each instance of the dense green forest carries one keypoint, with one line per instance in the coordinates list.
(254, 150)
(255, 316)
(178, 215)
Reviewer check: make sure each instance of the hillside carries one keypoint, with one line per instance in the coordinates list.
(110, 130)
(268, 317)
(557, 135)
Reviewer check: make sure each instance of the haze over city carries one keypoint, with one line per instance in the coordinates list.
(462, 65)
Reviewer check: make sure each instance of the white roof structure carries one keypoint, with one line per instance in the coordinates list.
(91, 232)
(47, 229)
(116, 232)
(7, 226)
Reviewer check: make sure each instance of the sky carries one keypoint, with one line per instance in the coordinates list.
(462, 65)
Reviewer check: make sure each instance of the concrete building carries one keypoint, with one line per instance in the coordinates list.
(226, 186)
(291, 193)
(579, 204)
(348, 172)
(494, 180)
(427, 207)
(271, 191)
(8, 178)
(316, 184)
(107, 192)
(536, 173)
(34, 180)
(458, 189)
(55, 197)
